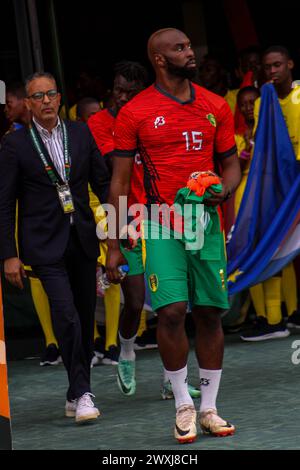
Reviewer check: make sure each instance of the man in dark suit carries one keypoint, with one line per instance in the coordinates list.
(46, 168)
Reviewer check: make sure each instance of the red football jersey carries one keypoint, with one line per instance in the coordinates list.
(102, 125)
(174, 138)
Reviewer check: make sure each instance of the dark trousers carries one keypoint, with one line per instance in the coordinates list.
(71, 288)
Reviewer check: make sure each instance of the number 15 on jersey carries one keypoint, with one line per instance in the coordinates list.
(193, 140)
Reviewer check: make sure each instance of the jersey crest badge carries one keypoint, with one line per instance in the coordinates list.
(159, 121)
(153, 282)
(212, 119)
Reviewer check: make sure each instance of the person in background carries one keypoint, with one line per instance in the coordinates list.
(87, 107)
(46, 168)
(88, 83)
(213, 77)
(245, 99)
(129, 79)
(15, 109)
(249, 60)
(277, 67)
(105, 351)
(19, 116)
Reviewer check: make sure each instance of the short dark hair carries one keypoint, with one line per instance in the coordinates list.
(247, 89)
(36, 75)
(280, 49)
(16, 89)
(132, 71)
(84, 102)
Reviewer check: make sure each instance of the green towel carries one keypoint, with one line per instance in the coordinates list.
(199, 220)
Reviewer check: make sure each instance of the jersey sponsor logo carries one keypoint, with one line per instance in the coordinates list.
(153, 282)
(159, 121)
(212, 119)
(205, 382)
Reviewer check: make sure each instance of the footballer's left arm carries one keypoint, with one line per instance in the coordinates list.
(231, 177)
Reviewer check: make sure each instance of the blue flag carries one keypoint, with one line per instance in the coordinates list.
(266, 235)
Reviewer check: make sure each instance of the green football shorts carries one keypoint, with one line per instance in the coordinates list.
(174, 274)
(134, 259)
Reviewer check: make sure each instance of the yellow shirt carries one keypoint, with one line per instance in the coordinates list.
(72, 111)
(94, 201)
(290, 107)
(241, 145)
(100, 219)
(231, 98)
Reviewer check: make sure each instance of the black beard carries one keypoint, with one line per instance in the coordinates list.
(181, 72)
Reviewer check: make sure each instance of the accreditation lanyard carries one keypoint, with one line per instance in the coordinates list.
(63, 189)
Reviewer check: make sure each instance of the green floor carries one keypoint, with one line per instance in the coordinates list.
(260, 394)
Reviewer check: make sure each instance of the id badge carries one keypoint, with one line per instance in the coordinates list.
(65, 198)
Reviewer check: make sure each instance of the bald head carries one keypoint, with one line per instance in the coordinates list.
(161, 40)
(171, 54)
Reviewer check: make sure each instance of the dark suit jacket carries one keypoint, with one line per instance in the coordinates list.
(43, 228)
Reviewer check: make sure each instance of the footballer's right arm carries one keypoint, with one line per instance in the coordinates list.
(125, 144)
(120, 186)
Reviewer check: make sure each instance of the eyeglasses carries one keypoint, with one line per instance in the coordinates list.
(40, 95)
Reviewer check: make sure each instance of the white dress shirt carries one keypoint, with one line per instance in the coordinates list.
(54, 144)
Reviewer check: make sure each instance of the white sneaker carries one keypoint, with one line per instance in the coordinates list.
(86, 410)
(96, 361)
(70, 408)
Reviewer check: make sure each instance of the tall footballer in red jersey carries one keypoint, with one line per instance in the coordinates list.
(174, 137)
(179, 128)
(102, 125)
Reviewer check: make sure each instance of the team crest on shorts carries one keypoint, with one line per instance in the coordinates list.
(153, 282)
(212, 119)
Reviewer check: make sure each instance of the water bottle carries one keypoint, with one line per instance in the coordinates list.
(99, 291)
(103, 283)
